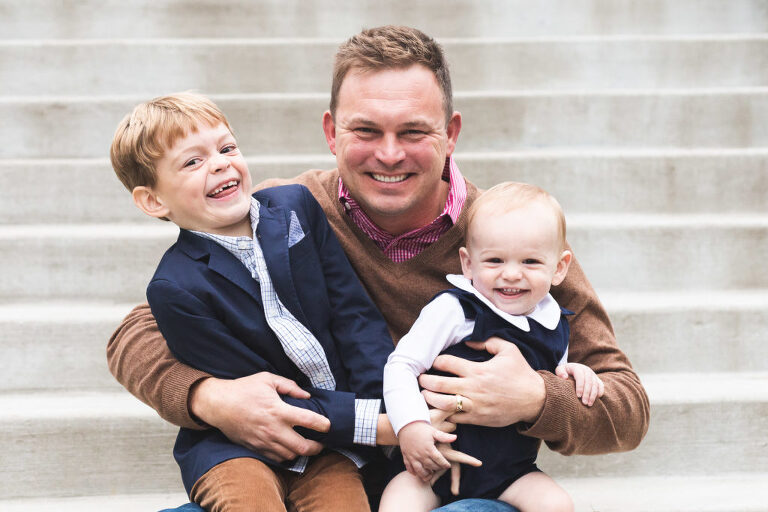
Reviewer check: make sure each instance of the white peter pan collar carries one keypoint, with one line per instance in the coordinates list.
(546, 312)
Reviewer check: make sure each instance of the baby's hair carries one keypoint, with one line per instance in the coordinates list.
(153, 127)
(511, 195)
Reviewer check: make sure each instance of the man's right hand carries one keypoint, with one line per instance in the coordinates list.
(249, 412)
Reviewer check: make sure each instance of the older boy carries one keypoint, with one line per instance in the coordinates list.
(254, 284)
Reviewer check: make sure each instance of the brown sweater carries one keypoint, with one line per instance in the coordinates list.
(140, 360)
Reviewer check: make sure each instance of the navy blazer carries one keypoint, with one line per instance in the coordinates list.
(209, 310)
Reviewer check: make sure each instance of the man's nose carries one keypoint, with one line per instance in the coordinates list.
(389, 151)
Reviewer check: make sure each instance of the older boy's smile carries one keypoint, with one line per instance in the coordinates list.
(225, 190)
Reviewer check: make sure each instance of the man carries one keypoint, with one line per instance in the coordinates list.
(396, 203)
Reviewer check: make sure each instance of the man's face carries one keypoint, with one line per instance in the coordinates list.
(391, 140)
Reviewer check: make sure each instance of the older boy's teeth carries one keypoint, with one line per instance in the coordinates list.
(385, 178)
(223, 187)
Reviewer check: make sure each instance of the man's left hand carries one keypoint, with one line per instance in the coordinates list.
(494, 393)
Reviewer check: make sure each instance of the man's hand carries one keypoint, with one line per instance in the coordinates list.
(588, 385)
(250, 413)
(417, 443)
(456, 459)
(495, 393)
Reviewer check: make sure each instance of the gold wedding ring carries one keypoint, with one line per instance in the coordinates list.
(459, 403)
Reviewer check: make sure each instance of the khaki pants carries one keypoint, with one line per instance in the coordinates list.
(330, 483)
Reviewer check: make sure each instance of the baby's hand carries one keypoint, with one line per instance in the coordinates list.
(588, 385)
(421, 457)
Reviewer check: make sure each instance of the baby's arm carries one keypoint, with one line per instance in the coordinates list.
(589, 387)
(420, 455)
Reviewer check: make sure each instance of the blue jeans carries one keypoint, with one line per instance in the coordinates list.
(457, 506)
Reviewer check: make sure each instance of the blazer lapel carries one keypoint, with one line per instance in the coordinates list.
(220, 261)
(272, 233)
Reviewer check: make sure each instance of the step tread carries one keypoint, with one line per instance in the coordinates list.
(730, 492)
(662, 388)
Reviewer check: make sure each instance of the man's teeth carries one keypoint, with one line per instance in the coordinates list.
(223, 187)
(385, 178)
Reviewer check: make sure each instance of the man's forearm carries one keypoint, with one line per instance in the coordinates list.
(139, 359)
(616, 422)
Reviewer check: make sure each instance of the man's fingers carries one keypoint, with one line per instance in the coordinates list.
(456, 456)
(493, 345)
(561, 372)
(299, 417)
(601, 386)
(452, 364)
(288, 387)
(455, 478)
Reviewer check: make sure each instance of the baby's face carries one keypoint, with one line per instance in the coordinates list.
(514, 258)
(203, 181)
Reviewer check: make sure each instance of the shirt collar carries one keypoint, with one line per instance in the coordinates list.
(254, 214)
(457, 191)
(546, 312)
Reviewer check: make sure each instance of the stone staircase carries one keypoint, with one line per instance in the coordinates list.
(648, 119)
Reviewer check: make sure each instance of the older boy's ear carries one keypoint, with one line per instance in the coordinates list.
(148, 202)
(466, 267)
(562, 267)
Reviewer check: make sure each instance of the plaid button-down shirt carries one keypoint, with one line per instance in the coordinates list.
(299, 344)
(403, 247)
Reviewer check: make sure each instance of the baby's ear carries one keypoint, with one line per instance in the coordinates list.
(466, 268)
(562, 267)
(149, 202)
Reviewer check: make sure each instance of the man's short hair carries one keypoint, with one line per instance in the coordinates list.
(152, 128)
(390, 47)
(511, 195)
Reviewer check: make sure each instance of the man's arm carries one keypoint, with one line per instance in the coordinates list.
(506, 390)
(139, 359)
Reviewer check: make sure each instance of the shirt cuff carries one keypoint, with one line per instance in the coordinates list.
(366, 421)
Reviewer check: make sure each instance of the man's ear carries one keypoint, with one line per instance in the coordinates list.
(329, 128)
(452, 130)
(465, 263)
(562, 267)
(149, 202)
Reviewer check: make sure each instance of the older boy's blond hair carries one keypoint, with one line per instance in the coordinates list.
(512, 195)
(153, 127)
(391, 47)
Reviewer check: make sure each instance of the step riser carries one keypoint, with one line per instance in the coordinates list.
(71, 355)
(581, 183)
(70, 457)
(630, 260)
(299, 18)
(109, 68)
(279, 125)
(686, 439)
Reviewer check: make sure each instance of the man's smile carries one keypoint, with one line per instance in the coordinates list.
(386, 178)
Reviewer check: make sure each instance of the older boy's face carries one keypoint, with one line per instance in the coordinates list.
(391, 140)
(204, 183)
(514, 258)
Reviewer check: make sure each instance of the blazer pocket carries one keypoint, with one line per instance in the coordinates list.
(300, 252)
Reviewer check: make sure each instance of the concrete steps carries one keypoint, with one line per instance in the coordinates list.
(153, 67)
(46, 19)
(81, 442)
(596, 181)
(82, 127)
(115, 261)
(55, 346)
(644, 117)
(738, 492)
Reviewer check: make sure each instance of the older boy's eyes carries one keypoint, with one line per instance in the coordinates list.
(228, 148)
(192, 162)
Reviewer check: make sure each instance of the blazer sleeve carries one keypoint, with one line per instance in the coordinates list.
(197, 338)
(358, 327)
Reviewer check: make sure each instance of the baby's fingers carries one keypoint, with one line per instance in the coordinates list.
(561, 372)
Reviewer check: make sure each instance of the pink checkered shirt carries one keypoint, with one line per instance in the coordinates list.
(404, 247)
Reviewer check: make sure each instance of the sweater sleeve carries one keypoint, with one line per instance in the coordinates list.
(139, 359)
(616, 422)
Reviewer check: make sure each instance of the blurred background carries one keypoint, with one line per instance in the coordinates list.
(647, 119)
